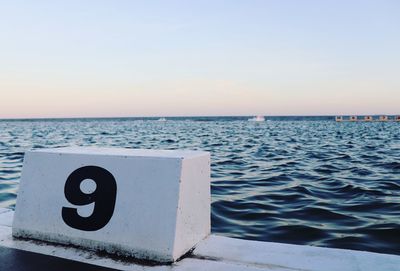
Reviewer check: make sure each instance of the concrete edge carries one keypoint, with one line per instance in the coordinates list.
(4, 210)
(221, 253)
(295, 257)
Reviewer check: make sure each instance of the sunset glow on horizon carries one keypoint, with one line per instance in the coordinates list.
(175, 58)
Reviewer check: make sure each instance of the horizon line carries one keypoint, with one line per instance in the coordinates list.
(185, 116)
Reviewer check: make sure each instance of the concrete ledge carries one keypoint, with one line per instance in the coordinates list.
(293, 257)
(4, 210)
(20, 260)
(6, 217)
(220, 253)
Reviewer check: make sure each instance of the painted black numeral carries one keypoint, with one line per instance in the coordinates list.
(103, 198)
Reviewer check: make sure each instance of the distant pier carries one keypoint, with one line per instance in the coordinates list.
(382, 118)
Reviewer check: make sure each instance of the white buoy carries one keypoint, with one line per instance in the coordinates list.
(149, 204)
(257, 119)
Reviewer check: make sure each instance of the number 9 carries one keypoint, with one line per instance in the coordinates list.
(103, 198)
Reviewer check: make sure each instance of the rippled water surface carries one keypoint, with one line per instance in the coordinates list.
(304, 182)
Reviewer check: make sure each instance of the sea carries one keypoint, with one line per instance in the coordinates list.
(298, 180)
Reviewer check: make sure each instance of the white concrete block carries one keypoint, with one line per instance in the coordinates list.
(150, 204)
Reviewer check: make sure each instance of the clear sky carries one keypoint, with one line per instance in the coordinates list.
(174, 58)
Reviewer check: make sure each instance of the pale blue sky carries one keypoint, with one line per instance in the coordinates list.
(171, 58)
